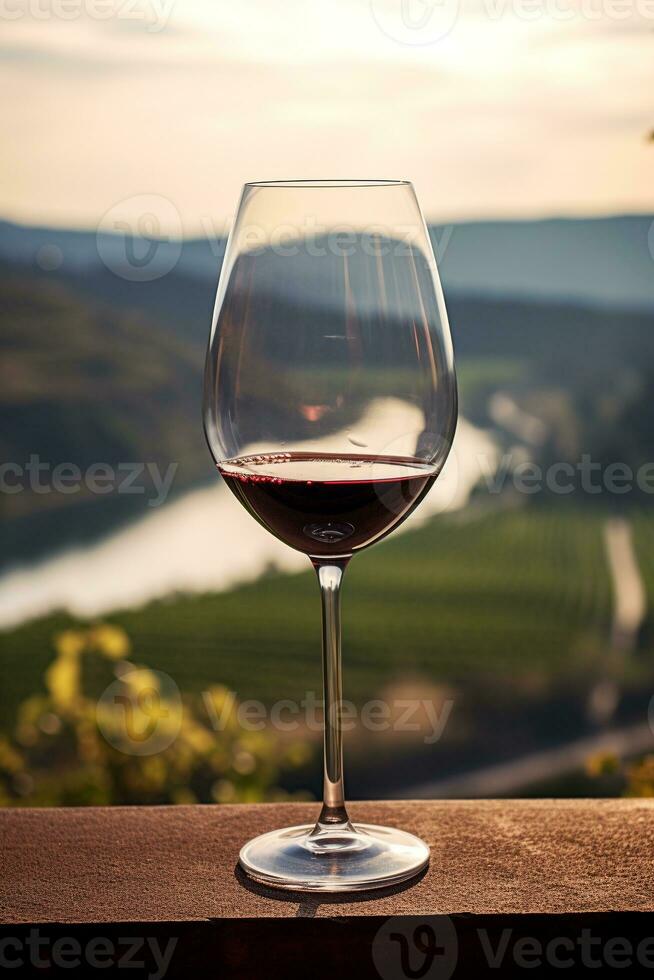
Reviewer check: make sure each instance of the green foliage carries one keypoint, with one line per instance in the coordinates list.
(640, 777)
(108, 731)
(643, 538)
(608, 775)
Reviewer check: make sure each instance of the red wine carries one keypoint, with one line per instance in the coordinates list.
(328, 505)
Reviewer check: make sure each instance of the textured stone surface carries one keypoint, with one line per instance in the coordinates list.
(177, 864)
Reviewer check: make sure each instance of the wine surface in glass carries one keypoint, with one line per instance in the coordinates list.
(328, 505)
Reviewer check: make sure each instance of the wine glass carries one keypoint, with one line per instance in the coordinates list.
(330, 407)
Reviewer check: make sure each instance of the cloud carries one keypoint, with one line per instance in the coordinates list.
(500, 117)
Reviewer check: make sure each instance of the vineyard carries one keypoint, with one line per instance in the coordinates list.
(643, 538)
(515, 601)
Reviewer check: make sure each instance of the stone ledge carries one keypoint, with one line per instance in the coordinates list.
(543, 868)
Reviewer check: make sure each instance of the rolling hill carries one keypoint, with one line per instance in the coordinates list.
(599, 261)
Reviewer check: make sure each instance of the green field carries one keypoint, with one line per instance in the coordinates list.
(514, 600)
(643, 538)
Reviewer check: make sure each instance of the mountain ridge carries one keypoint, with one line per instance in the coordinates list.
(599, 260)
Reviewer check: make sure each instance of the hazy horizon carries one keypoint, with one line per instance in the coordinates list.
(436, 221)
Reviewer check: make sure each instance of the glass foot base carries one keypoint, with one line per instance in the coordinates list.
(344, 859)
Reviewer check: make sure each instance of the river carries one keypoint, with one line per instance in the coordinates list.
(203, 541)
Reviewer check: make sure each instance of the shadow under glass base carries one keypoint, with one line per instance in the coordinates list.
(352, 858)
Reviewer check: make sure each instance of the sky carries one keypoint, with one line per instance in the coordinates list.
(493, 108)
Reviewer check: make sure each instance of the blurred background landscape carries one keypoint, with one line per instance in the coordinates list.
(518, 600)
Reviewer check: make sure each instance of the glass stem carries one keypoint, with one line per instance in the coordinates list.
(333, 814)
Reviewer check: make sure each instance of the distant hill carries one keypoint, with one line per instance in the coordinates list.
(82, 383)
(586, 260)
(593, 261)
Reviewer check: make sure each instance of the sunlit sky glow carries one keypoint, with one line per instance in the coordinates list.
(504, 108)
